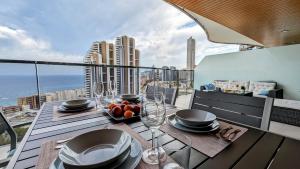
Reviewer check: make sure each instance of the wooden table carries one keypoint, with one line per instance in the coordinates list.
(255, 149)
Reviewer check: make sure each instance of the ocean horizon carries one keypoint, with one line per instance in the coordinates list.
(15, 86)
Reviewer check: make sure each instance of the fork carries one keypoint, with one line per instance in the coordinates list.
(63, 140)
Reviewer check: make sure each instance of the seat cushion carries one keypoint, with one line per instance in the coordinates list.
(261, 87)
(223, 84)
(237, 84)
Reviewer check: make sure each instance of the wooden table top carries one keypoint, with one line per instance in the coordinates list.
(255, 149)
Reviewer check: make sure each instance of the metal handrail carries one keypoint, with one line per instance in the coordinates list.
(37, 63)
(80, 64)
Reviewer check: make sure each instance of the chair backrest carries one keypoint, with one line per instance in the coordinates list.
(286, 111)
(5, 126)
(170, 93)
(251, 111)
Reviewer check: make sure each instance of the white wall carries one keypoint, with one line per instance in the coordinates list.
(280, 64)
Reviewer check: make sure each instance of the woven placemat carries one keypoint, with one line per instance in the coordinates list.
(49, 153)
(209, 144)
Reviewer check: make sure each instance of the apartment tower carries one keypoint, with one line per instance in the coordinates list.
(127, 55)
(100, 53)
(191, 45)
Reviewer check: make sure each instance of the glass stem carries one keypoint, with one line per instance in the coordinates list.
(113, 96)
(96, 101)
(153, 139)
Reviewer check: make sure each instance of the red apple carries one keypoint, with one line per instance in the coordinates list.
(122, 106)
(111, 106)
(136, 109)
(117, 111)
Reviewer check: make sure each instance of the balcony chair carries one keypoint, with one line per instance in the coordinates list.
(250, 111)
(286, 111)
(6, 127)
(170, 93)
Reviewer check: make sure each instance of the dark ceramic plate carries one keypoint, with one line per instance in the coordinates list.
(172, 121)
(130, 162)
(194, 117)
(95, 149)
(135, 117)
(193, 127)
(74, 104)
(129, 97)
(63, 109)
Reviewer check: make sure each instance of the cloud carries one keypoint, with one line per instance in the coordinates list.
(64, 30)
(17, 44)
(161, 32)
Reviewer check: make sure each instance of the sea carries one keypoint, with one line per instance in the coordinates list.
(14, 86)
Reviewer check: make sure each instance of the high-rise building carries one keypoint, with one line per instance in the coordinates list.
(127, 55)
(123, 53)
(191, 46)
(173, 73)
(100, 53)
(165, 73)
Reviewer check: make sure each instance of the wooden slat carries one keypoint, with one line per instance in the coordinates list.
(230, 98)
(31, 162)
(29, 154)
(201, 107)
(67, 130)
(36, 143)
(261, 154)
(241, 108)
(254, 19)
(239, 118)
(231, 154)
(53, 123)
(286, 115)
(287, 156)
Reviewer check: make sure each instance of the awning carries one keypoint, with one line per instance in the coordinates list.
(265, 23)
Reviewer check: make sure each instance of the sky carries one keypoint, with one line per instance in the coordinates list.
(63, 30)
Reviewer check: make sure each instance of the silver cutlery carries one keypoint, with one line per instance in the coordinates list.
(63, 141)
(59, 146)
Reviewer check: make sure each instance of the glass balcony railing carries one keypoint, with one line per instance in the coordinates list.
(26, 85)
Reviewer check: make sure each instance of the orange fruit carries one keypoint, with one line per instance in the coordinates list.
(128, 114)
(127, 107)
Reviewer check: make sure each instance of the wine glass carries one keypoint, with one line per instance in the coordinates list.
(158, 94)
(153, 116)
(98, 89)
(112, 87)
